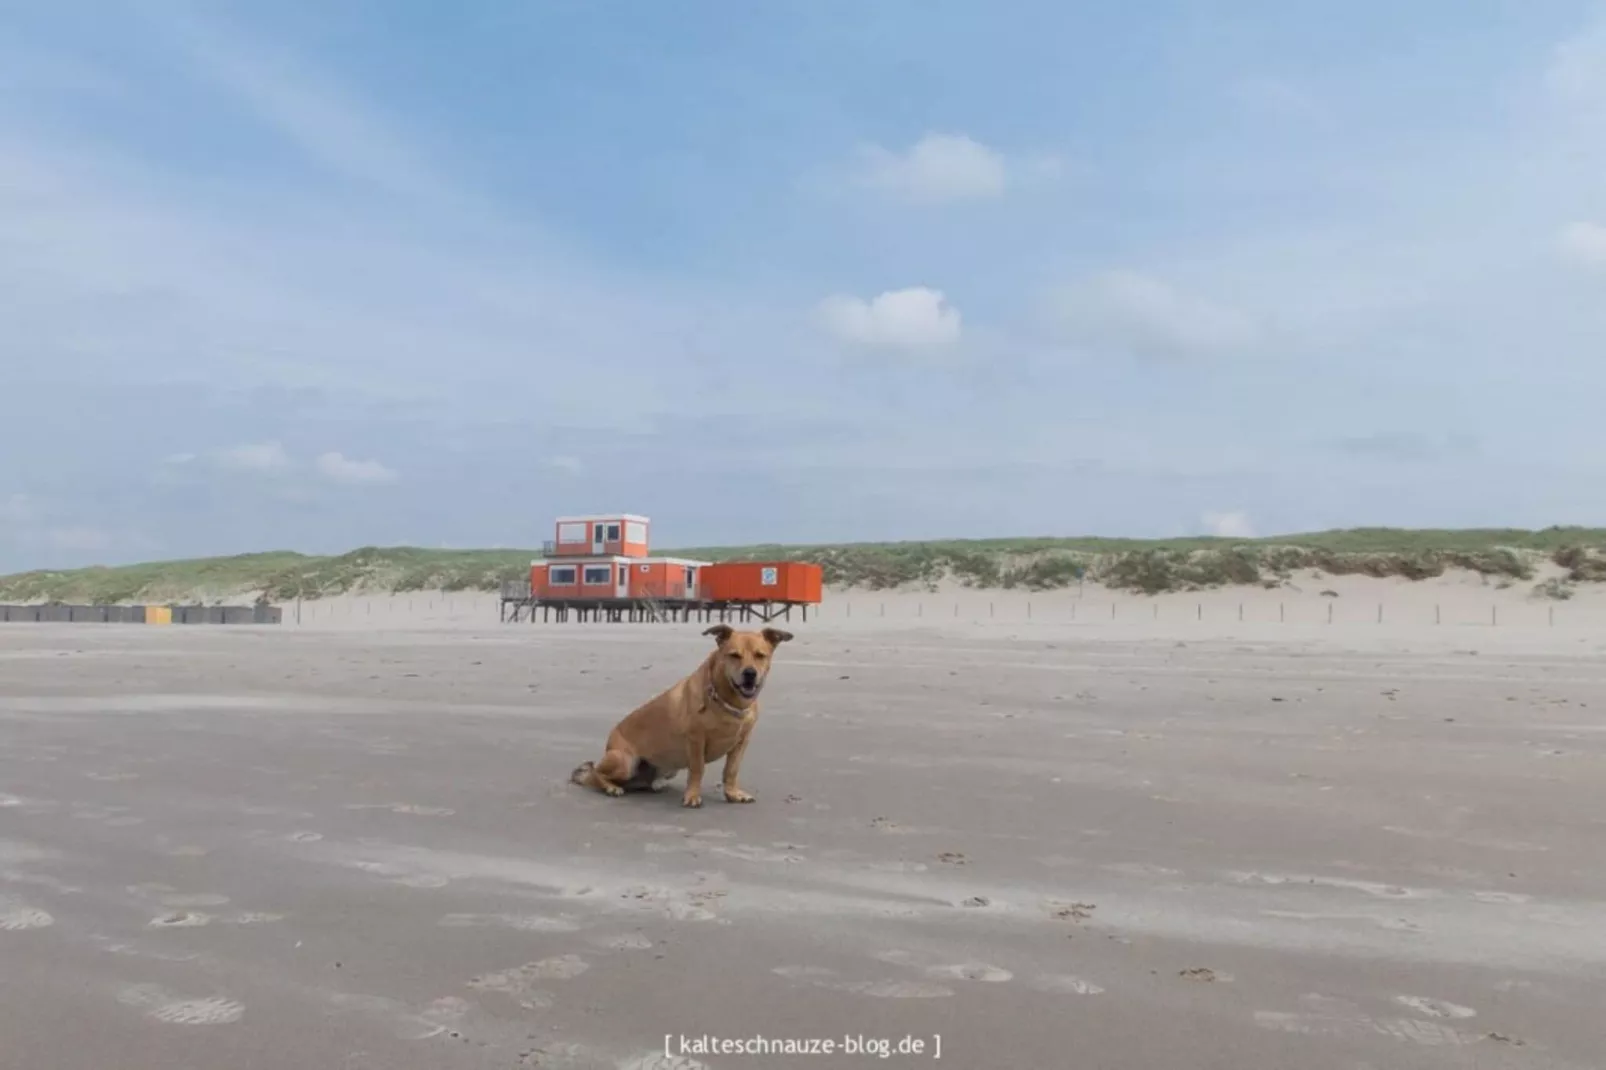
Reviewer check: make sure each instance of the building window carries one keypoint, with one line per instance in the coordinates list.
(613, 532)
(560, 577)
(598, 575)
(571, 533)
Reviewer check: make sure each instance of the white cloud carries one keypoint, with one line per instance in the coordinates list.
(255, 457)
(571, 465)
(938, 167)
(339, 468)
(1148, 317)
(1230, 525)
(1583, 243)
(1577, 71)
(917, 318)
(326, 124)
(178, 458)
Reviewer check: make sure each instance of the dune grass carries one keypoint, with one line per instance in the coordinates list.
(1139, 565)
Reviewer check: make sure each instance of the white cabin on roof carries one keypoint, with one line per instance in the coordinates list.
(601, 535)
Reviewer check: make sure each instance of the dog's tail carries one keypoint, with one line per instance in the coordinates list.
(582, 773)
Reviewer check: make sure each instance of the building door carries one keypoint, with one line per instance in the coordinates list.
(596, 538)
(624, 581)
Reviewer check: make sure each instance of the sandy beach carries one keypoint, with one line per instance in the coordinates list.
(1035, 829)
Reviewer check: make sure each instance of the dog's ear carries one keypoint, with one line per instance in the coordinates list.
(720, 632)
(775, 636)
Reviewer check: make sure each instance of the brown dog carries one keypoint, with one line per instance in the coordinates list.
(704, 717)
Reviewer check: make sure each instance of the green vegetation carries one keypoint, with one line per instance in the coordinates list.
(1147, 566)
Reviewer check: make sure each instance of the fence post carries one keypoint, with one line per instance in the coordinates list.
(989, 609)
(1282, 614)
(1436, 617)
(920, 609)
(1240, 611)
(1157, 611)
(1201, 611)
(1028, 609)
(1380, 612)
(1112, 610)
(1494, 615)
(1552, 616)
(1329, 613)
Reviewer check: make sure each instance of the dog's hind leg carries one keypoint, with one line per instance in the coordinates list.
(645, 777)
(613, 773)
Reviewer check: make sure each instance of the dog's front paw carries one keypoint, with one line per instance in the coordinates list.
(613, 789)
(692, 799)
(737, 795)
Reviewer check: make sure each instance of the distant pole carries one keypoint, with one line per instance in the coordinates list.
(1240, 611)
(1200, 615)
(1157, 611)
(1028, 609)
(1380, 612)
(1329, 613)
(1436, 618)
(1112, 610)
(1282, 613)
(1552, 616)
(1494, 615)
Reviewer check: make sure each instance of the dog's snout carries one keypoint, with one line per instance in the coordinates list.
(749, 675)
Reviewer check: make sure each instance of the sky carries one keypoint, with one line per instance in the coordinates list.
(316, 276)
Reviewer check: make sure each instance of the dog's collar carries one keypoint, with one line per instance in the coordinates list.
(735, 711)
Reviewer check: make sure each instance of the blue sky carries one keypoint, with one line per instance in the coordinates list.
(314, 276)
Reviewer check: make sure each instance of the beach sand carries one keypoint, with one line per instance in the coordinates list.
(1061, 835)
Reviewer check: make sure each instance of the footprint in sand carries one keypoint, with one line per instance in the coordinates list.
(529, 923)
(969, 971)
(405, 808)
(406, 1024)
(659, 1061)
(520, 982)
(1067, 984)
(162, 1006)
(1435, 1008)
(181, 919)
(821, 977)
(16, 918)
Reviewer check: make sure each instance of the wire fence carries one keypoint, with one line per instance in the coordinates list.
(424, 608)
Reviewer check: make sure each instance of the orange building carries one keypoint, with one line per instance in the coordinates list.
(600, 564)
(604, 557)
(610, 534)
(762, 581)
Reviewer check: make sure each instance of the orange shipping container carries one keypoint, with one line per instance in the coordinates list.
(762, 581)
